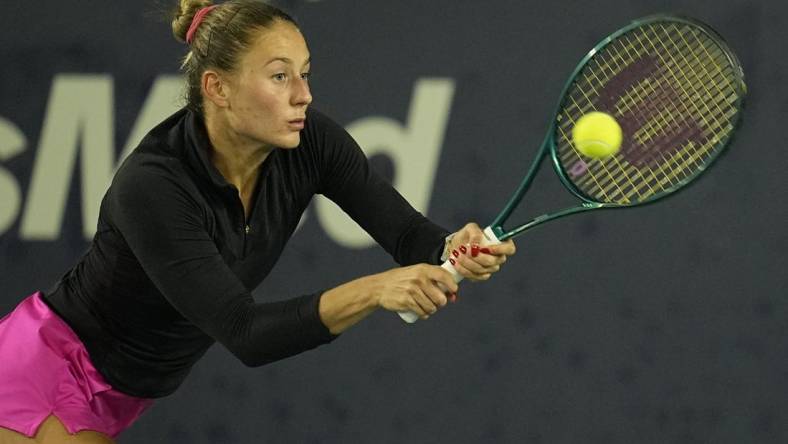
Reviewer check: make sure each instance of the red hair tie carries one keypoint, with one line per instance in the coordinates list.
(198, 18)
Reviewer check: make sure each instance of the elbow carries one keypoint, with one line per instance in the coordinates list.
(253, 355)
(253, 363)
(257, 357)
(251, 358)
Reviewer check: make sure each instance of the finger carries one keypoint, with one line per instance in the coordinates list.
(461, 237)
(468, 234)
(484, 260)
(409, 302)
(488, 260)
(507, 249)
(476, 234)
(436, 294)
(443, 277)
(477, 265)
(465, 272)
(485, 270)
(424, 305)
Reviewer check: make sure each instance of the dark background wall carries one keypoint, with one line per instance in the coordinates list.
(665, 324)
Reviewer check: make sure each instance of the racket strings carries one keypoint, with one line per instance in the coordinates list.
(697, 75)
(649, 106)
(678, 166)
(621, 63)
(675, 93)
(698, 78)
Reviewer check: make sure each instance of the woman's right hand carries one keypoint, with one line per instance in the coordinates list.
(416, 288)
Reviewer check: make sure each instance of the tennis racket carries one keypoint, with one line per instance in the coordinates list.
(676, 90)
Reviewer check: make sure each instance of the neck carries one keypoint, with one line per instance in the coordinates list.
(237, 158)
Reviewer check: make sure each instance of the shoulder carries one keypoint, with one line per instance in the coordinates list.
(142, 170)
(160, 153)
(318, 122)
(156, 166)
(337, 157)
(322, 132)
(147, 183)
(327, 139)
(152, 190)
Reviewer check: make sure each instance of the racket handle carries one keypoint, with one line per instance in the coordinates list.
(490, 239)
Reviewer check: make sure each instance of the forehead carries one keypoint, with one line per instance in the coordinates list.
(280, 40)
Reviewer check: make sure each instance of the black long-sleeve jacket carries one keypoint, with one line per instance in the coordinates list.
(174, 259)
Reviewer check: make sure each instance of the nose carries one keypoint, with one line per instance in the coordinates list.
(301, 94)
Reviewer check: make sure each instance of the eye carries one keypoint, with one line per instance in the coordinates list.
(279, 77)
(306, 75)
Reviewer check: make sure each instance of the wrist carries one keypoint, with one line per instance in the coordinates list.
(369, 291)
(343, 306)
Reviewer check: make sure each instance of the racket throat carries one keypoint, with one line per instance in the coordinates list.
(586, 206)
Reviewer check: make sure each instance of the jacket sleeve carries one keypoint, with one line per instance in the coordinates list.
(347, 179)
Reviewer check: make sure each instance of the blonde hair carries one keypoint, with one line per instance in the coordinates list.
(222, 37)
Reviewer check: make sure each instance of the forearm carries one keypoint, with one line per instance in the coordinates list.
(343, 306)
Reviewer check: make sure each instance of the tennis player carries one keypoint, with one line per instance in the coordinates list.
(194, 219)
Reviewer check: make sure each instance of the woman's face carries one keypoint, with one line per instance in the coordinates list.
(269, 92)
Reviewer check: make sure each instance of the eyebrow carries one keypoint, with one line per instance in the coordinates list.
(287, 60)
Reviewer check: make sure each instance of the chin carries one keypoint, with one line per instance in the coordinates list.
(290, 142)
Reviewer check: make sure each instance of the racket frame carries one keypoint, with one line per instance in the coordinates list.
(549, 145)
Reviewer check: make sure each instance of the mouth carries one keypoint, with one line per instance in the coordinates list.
(296, 124)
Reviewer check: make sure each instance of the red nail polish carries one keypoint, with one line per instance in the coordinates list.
(463, 249)
(453, 297)
(455, 253)
(474, 250)
(485, 250)
(451, 261)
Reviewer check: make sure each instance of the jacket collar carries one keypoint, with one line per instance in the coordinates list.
(198, 150)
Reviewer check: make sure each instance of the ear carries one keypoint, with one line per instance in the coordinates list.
(215, 88)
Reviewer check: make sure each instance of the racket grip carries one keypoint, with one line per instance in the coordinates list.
(490, 239)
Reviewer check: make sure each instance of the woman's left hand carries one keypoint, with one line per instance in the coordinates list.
(474, 261)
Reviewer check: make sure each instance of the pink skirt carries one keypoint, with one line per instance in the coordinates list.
(45, 370)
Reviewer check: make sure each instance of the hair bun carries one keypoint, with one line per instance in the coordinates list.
(184, 14)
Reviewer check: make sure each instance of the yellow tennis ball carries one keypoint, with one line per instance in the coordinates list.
(597, 135)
